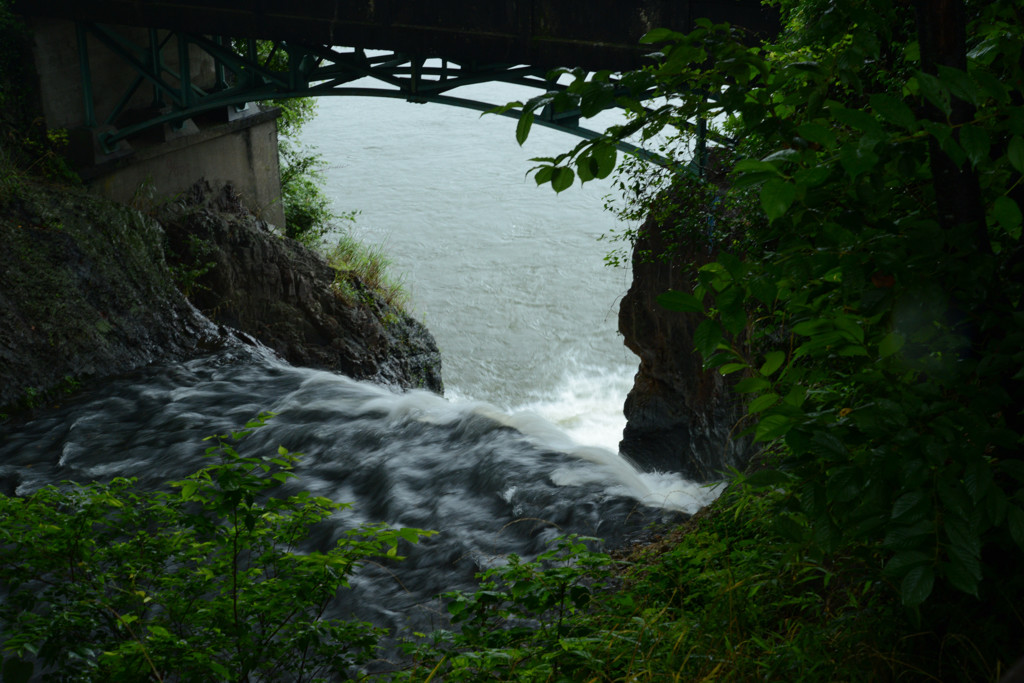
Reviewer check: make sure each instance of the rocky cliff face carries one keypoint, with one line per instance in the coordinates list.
(281, 293)
(85, 292)
(680, 418)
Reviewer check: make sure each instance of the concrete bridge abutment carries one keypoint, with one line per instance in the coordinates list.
(223, 146)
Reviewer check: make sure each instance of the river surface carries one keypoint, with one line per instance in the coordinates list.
(508, 276)
(510, 279)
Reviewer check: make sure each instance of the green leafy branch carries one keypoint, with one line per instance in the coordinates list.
(209, 581)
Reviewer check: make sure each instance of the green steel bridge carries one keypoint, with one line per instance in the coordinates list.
(196, 56)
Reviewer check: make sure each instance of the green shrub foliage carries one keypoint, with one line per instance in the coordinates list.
(883, 294)
(720, 602)
(106, 582)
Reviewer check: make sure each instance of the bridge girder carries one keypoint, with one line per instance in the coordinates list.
(245, 74)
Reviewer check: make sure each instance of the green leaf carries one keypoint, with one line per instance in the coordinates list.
(890, 344)
(660, 35)
(954, 150)
(817, 133)
(903, 561)
(730, 368)
(764, 290)
(909, 536)
(561, 178)
(975, 142)
(959, 83)
(777, 196)
(585, 167)
(810, 328)
(766, 477)
(736, 268)
(756, 166)
(935, 91)
(807, 67)
(707, 336)
(523, 126)
(543, 174)
(961, 577)
(978, 479)
(605, 155)
(773, 360)
(749, 385)
(917, 585)
(772, 427)
(813, 176)
(969, 559)
(1008, 215)
(991, 86)
(750, 179)
(796, 396)
(734, 318)
(894, 110)
(680, 301)
(1015, 153)
(953, 495)
(856, 160)
(907, 504)
(788, 528)
(845, 484)
(762, 403)
(188, 489)
(858, 119)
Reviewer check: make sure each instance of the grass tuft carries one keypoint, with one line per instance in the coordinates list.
(360, 266)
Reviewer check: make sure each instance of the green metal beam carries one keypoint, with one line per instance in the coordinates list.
(241, 76)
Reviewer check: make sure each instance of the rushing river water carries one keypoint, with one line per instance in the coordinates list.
(510, 280)
(492, 483)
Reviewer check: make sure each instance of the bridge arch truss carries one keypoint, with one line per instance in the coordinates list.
(245, 71)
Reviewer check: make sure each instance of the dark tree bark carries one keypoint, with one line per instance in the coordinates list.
(941, 29)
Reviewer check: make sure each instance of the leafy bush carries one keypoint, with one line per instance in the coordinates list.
(877, 295)
(724, 598)
(307, 210)
(883, 291)
(528, 621)
(106, 582)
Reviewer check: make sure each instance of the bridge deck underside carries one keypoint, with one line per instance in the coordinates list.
(600, 34)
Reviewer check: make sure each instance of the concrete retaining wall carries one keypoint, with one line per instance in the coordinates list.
(241, 152)
(223, 147)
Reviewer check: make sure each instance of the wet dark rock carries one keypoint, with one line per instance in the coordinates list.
(85, 292)
(680, 418)
(281, 293)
